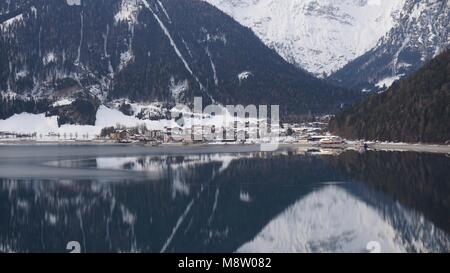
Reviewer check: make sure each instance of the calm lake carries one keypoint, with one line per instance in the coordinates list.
(222, 199)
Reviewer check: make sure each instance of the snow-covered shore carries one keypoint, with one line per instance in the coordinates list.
(26, 123)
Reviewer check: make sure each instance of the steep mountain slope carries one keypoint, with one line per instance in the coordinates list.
(415, 109)
(319, 36)
(422, 31)
(165, 51)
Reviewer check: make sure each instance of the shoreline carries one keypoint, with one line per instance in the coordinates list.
(404, 147)
(235, 147)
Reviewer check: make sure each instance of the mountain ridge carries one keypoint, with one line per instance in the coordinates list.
(318, 36)
(414, 109)
(149, 51)
(421, 33)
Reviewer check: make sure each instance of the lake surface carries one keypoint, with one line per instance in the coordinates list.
(222, 199)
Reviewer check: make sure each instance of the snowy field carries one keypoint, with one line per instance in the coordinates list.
(26, 123)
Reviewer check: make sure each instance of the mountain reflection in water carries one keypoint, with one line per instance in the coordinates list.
(286, 201)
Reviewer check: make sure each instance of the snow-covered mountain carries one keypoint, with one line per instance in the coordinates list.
(320, 36)
(146, 51)
(421, 33)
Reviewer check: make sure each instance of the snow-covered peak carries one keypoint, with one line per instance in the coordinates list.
(320, 36)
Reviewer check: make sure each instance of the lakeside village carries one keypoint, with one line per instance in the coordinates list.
(309, 133)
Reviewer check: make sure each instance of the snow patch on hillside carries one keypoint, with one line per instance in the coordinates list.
(128, 12)
(49, 58)
(22, 74)
(8, 23)
(63, 102)
(245, 197)
(244, 76)
(73, 2)
(125, 59)
(213, 67)
(165, 11)
(177, 89)
(387, 82)
(107, 117)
